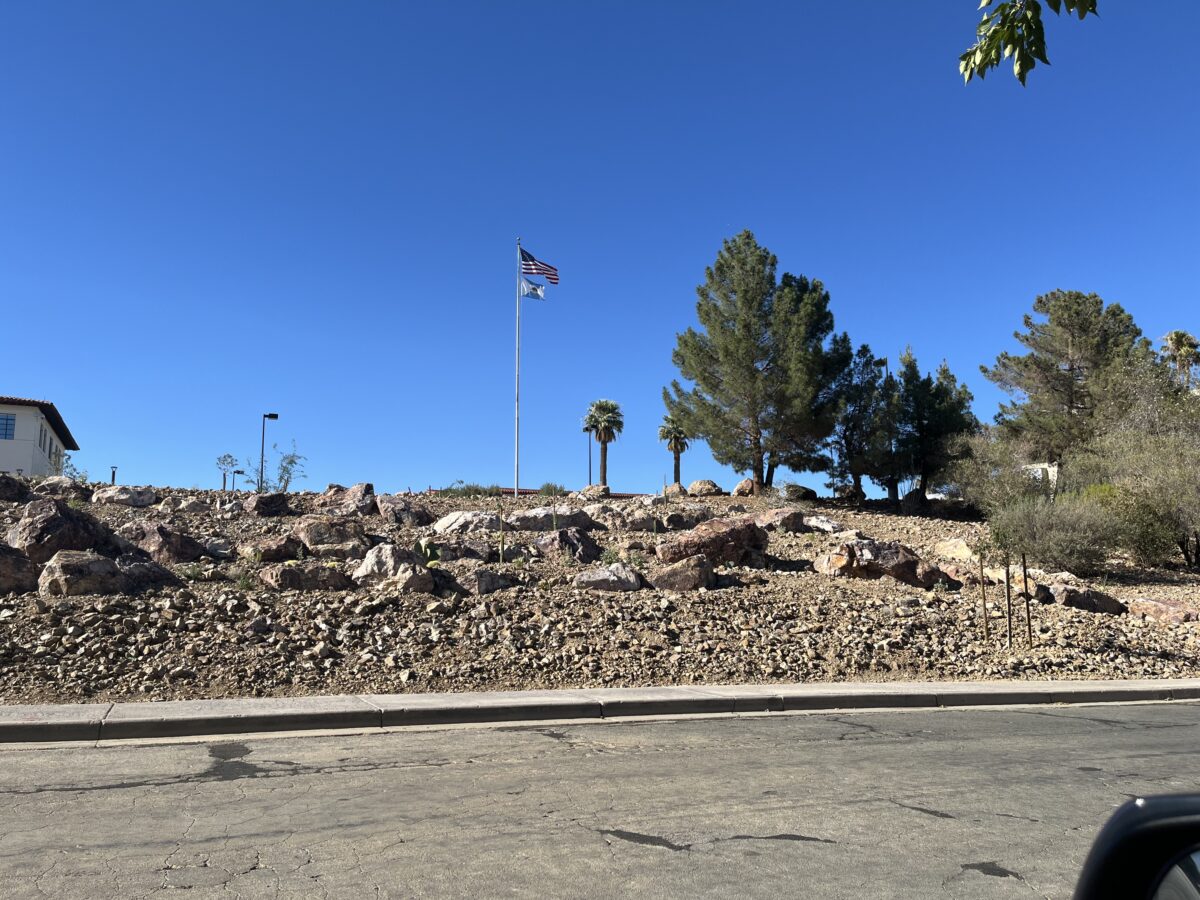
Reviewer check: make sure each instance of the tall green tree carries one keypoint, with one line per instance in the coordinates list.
(605, 421)
(758, 364)
(935, 412)
(856, 432)
(1074, 343)
(676, 439)
(1182, 350)
(1013, 28)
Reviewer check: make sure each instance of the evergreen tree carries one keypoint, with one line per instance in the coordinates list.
(1056, 384)
(605, 421)
(855, 433)
(934, 413)
(1182, 351)
(676, 439)
(759, 368)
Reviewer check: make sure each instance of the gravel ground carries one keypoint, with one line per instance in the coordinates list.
(222, 633)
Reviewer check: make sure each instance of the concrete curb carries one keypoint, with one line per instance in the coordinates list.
(184, 718)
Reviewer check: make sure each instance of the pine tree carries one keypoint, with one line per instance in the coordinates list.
(1056, 384)
(760, 371)
(934, 413)
(855, 432)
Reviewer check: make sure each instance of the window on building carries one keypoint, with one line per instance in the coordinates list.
(8, 426)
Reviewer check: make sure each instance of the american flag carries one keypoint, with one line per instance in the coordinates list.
(531, 265)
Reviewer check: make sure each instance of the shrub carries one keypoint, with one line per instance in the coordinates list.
(1074, 532)
(470, 489)
(550, 489)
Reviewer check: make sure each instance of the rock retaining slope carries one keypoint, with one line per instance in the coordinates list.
(205, 594)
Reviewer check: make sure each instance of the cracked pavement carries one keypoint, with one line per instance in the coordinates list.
(978, 803)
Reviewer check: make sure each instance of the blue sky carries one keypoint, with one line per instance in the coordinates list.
(215, 209)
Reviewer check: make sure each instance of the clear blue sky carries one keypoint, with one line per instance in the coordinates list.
(213, 209)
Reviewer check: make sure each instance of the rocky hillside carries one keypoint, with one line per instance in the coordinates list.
(118, 592)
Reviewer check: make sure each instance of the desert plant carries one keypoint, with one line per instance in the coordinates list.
(1073, 532)
(471, 489)
(605, 421)
(551, 489)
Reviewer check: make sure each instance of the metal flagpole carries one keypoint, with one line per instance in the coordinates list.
(517, 409)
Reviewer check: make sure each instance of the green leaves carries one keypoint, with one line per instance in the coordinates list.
(1014, 29)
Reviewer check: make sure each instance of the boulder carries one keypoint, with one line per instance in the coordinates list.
(63, 487)
(1166, 610)
(705, 488)
(548, 518)
(744, 488)
(734, 541)
(595, 492)
(13, 489)
(18, 573)
(617, 577)
(785, 519)
(337, 537)
(357, 500)
(675, 490)
(184, 505)
(401, 511)
(955, 549)
(383, 562)
(143, 574)
(272, 548)
(466, 522)
(411, 579)
(305, 576)
(914, 503)
(822, 523)
(1087, 599)
(573, 542)
(267, 505)
(689, 574)
(49, 525)
(799, 493)
(70, 573)
(485, 581)
(686, 517)
(875, 559)
(123, 495)
(163, 544)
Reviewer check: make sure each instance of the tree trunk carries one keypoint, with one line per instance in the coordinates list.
(859, 493)
(677, 468)
(771, 467)
(1186, 546)
(757, 475)
(604, 462)
(893, 489)
(923, 484)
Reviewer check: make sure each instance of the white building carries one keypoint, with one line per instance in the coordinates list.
(33, 437)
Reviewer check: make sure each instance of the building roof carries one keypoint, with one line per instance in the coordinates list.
(50, 411)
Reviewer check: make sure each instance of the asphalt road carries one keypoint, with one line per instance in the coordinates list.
(972, 803)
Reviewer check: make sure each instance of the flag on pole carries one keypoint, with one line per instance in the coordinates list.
(530, 265)
(533, 289)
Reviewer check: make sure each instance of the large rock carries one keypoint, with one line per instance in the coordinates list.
(595, 492)
(733, 541)
(875, 559)
(914, 503)
(572, 542)
(178, 504)
(401, 511)
(63, 487)
(70, 573)
(337, 537)
(1087, 599)
(955, 549)
(143, 574)
(163, 544)
(49, 525)
(359, 499)
(617, 577)
(686, 517)
(790, 521)
(689, 574)
(267, 505)
(705, 488)
(485, 581)
(466, 522)
(799, 493)
(13, 489)
(271, 548)
(124, 495)
(305, 576)
(383, 562)
(824, 524)
(1165, 610)
(744, 488)
(549, 518)
(675, 490)
(467, 547)
(18, 573)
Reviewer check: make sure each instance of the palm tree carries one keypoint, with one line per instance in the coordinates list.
(605, 421)
(1184, 351)
(677, 439)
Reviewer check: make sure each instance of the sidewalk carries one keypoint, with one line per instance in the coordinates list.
(179, 718)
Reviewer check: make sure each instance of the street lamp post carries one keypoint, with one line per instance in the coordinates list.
(262, 454)
(114, 474)
(235, 474)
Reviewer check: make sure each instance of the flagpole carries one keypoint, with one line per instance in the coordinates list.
(517, 401)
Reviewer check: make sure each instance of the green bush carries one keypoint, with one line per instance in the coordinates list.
(550, 489)
(1074, 532)
(470, 489)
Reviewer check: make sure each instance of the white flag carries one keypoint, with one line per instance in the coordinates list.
(533, 289)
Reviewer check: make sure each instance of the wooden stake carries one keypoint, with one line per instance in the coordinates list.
(1028, 607)
(1008, 598)
(983, 593)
